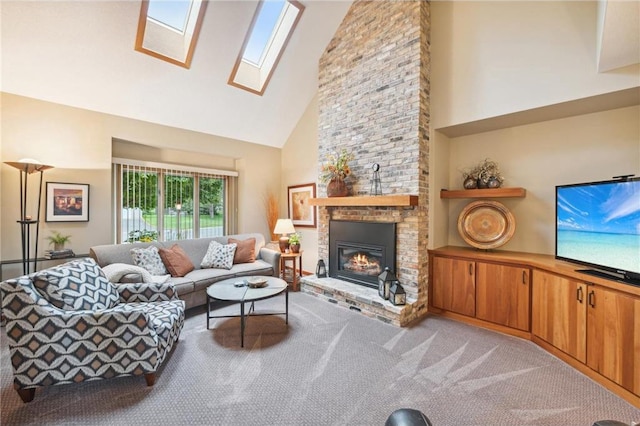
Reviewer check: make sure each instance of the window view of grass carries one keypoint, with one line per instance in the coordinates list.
(170, 221)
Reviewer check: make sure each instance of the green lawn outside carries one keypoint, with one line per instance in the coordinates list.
(206, 221)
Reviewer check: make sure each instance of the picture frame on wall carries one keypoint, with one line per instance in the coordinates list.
(301, 212)
(67, 202)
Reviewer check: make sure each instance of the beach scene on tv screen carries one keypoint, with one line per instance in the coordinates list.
(600, 224)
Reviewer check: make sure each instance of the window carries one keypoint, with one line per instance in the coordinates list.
(271, 28)
(169, 29)
(156, 201)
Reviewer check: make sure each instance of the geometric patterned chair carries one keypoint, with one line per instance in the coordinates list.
(69, 324)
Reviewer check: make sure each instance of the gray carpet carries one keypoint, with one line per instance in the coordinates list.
(330, 366)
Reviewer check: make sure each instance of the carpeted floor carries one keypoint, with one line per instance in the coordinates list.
(330, 366)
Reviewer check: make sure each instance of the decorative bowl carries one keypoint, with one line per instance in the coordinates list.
(256, 282)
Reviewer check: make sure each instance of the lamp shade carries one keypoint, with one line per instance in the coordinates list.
(284, 226)
(28, 165)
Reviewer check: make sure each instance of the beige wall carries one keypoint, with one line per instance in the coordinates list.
(489, 59)
(299, 166)
(494, 58)
(79, 144)
(538, 157)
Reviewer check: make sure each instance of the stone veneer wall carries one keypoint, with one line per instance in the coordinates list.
(374, 101)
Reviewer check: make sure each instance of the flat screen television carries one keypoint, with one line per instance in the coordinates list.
(598, 225)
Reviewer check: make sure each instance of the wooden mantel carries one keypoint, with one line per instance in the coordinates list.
(373, 201)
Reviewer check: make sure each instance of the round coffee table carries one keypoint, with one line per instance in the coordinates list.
(237, 290)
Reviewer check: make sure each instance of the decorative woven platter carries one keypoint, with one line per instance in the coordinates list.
(256, 282)
(486, 224)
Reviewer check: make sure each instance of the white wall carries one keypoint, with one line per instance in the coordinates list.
(494, 58)
(299, 166)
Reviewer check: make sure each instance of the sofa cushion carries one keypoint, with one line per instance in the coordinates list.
(77, 285)
(176, 261)
(219, 255)
(149, 259)
(245, 250)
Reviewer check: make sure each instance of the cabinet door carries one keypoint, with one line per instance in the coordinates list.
(613, 336)
(502, 295)
(559, 313)
(453, 284)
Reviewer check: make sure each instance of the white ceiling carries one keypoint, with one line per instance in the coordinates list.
(80, 53)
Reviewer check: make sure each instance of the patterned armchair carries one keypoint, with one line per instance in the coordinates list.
(70, 324)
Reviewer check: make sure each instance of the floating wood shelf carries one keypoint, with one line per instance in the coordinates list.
(484, 193)
(373, 201)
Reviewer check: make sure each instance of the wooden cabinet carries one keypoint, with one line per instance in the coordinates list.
(590, 322)
(487, 291)
(559, 313)
(502, 294)
(453, 285)
(613, 336)
(595, 325)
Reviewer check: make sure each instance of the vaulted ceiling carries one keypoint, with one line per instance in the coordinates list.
(81, 53)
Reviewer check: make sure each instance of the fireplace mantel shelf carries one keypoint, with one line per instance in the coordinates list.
(374, 201)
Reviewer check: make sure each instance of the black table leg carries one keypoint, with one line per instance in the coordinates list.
(242, 324)
(286, 306)
(208, 311)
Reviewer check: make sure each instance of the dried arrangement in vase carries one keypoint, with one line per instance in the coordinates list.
(484, 175)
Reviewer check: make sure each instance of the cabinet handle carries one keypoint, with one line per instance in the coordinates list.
(579, 295)
(471, 269)
(592, 299)
(524, 277)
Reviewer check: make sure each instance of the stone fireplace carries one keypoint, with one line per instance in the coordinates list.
(373, 97)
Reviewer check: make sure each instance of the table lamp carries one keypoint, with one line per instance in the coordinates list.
(284, 227)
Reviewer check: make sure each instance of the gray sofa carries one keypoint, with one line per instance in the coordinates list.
(192, 287)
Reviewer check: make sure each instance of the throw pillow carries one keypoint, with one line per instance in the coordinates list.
(176, 260)
(245, 250)
(77, 285)
(219, 256)
(149, 259)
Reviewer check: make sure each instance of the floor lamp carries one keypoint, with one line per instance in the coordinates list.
(27, 166)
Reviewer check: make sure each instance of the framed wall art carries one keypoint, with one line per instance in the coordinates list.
(67, 202)
(301, 212)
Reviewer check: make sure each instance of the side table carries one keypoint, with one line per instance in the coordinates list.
(296, 261)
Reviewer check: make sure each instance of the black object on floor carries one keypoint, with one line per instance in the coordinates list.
(411, 417)
(609, 423)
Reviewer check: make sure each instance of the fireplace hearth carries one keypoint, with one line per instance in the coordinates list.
(359, 251)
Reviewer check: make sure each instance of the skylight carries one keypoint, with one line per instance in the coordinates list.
(173, 14)
(269, 17)
(271, 28)
(168, 29)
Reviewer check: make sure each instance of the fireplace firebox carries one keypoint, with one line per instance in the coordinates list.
(359, 251)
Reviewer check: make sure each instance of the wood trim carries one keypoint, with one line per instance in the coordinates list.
(584, 369)
(544, 262)
(142, 26)
(484, 193)
(372, 201)
(481, 323)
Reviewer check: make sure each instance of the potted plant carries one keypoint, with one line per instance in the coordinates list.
(294, 243)
(58, 240)
(335, 171)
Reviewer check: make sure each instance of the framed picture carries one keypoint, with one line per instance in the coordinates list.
(67, 202)
(301, 212)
